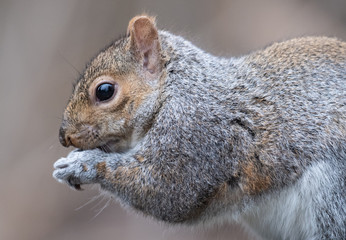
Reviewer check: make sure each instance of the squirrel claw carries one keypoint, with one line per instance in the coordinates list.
(72, 183)
(78, 187)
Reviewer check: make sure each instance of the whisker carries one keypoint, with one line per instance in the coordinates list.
(93, 199)
(104, 145)
(69, 63)
(101, 210)
(100, 202)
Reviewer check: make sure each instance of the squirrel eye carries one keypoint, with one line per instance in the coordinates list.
(105, 91)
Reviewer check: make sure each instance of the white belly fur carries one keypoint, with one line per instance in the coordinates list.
(290, 214)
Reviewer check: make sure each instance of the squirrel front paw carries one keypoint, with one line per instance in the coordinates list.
(78, 168)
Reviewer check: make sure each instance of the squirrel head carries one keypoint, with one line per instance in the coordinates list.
(108, 100)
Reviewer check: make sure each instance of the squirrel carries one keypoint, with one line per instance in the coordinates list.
(191, 138)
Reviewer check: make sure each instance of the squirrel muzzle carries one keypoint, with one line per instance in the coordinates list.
(66, 142)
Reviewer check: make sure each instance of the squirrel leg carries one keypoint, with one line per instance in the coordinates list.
(138, 182)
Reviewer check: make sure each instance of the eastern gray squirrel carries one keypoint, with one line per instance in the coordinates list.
(187, 137)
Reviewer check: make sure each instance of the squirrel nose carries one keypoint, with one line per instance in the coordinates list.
(65, 141)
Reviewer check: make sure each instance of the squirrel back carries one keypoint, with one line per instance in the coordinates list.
(188, 137)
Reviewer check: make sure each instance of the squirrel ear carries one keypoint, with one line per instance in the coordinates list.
(145, 42)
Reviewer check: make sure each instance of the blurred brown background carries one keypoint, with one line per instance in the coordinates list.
(40, 40)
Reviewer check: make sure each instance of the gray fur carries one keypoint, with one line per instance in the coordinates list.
(215, 126)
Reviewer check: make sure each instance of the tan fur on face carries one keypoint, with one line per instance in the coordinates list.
(133, 64)
(83, 110)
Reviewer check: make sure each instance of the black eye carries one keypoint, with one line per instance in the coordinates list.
(105, 91)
